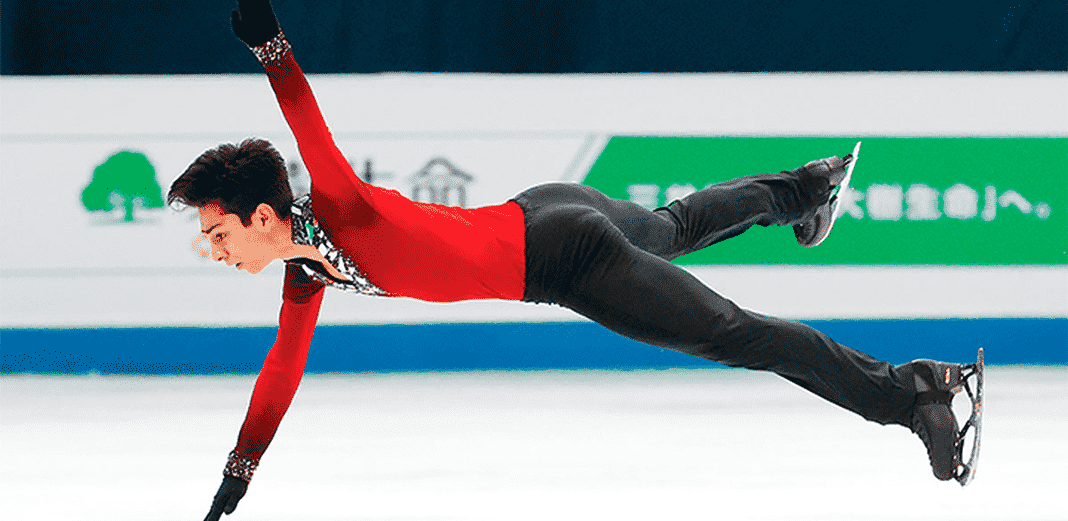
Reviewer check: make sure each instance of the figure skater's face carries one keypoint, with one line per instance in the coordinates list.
(245, 247)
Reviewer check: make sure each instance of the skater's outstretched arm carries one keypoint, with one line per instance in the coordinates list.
(282, 368)
(333, 180)
(275, 387)
(284, 365)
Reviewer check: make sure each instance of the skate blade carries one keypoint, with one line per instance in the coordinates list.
(838, 208)
(966, 469)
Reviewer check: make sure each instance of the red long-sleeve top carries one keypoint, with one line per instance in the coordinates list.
(406, 248)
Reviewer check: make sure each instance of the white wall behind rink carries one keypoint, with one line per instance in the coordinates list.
(59, 267)
(776, 104)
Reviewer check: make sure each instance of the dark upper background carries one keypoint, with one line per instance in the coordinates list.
(40, 37)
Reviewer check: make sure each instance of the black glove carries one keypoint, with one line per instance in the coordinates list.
(254, 22)
(230, 492)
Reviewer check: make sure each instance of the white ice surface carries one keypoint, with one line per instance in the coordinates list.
(694, 444)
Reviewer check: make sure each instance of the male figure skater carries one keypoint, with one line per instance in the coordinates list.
(564, 244)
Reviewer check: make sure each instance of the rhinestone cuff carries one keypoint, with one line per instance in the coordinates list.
(273, 50)
(239, 466)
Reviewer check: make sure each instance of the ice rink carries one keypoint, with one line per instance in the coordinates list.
(677, 444)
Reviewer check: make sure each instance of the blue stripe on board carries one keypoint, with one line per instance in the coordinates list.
(480, 346)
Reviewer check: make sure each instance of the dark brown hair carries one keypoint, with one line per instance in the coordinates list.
(237, 178)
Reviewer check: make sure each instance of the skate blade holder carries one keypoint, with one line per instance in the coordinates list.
(966, 469)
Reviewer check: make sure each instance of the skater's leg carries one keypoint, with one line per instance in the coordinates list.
(703, 218)
(727, 209)
(579, 259)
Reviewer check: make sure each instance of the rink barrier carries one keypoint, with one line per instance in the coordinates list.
(491, 346)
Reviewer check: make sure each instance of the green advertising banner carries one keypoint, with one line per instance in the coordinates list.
(942, 201)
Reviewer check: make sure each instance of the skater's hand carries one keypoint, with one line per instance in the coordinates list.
(230, 492)
(254, 22)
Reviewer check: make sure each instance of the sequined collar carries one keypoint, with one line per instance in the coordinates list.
(306, 231)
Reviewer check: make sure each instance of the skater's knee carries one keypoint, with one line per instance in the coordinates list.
(736, 336)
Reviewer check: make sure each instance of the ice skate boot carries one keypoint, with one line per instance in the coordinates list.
(838, 172)
(933, 419)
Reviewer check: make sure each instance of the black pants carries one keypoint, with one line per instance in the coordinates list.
(607, 259)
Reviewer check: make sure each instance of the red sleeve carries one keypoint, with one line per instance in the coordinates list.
(284, 365)
(406, 248)
(336, 189)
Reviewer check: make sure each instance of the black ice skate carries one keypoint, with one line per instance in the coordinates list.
(838, 173)
(933, 419)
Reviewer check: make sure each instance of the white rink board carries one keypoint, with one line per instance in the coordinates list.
(62, 266)
(220, 297)
(681, 445)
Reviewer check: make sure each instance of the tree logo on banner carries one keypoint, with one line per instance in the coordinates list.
(126, 180)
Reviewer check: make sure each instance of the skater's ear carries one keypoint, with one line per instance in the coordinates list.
(264, 216)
